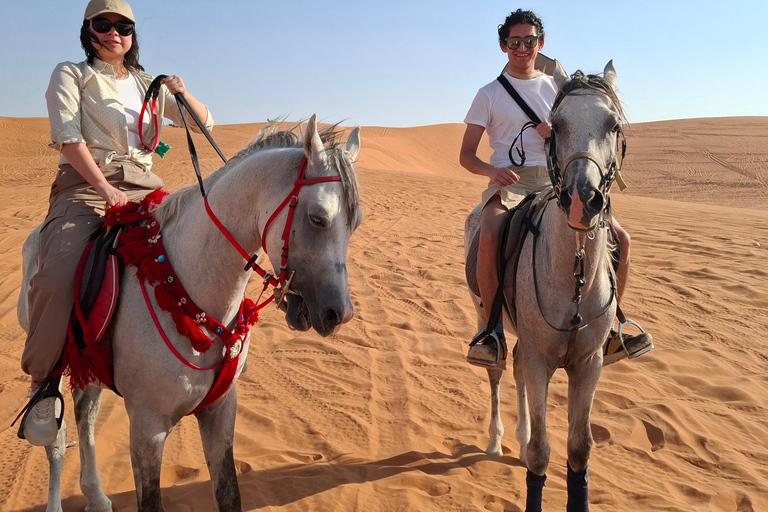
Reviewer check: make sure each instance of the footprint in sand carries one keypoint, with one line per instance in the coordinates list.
(655, 436)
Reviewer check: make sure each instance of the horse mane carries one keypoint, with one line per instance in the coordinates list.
(269, 137)
(581, 82)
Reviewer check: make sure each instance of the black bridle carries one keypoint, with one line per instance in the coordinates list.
(607, 176)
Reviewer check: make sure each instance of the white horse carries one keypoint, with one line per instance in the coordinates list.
(560, 323)
(158, 389)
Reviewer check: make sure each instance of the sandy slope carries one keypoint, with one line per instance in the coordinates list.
(387, 416)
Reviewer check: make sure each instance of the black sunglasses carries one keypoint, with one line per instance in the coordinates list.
(103, 25)
(513, 43)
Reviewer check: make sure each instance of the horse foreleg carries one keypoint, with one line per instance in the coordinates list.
(217, 430)
(55, 454)
(496, 428)
(86, 409)
(582, 382)
(148, 434)
(523, 430)
(537, 375)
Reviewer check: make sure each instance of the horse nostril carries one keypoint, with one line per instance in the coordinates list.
(596, 202)
(565, 199)
(331, 316)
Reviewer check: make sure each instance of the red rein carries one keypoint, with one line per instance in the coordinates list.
(142, 247)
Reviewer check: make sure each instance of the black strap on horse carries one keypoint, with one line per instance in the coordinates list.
(534, 119)
(498, 300)
(183, 104)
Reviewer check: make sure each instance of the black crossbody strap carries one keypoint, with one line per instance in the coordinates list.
(518, 99)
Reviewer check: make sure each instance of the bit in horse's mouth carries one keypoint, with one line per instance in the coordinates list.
(297, 314)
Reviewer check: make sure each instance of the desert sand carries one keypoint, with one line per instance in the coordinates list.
(387, 416)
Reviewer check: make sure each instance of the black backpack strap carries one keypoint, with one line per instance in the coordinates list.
(518, 99)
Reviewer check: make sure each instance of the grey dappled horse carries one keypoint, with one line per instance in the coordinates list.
(158, 389)
(586, 124)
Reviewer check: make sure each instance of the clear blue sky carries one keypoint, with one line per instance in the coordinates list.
(403, 63)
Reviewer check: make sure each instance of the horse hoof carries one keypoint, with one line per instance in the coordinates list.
(103, 504)
(494, 450)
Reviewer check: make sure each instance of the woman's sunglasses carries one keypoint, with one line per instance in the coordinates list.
(103, 25)
(513, 43)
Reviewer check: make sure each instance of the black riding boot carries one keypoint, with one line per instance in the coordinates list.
(578, 495)
(535, 485)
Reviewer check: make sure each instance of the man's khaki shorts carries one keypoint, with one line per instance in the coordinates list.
(531, 179)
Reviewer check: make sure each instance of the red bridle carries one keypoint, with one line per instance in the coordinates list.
(291, 200)
(280, 285)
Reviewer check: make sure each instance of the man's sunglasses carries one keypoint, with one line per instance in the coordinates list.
(513, 43)
(103, 25)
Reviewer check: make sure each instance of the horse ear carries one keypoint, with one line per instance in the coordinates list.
(353, 143)
(610, 74)
(559, 75)
(313, 145)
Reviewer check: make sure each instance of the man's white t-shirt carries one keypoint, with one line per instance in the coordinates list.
(495, 110)
(132, 99)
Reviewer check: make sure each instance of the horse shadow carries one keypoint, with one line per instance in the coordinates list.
(284, 485)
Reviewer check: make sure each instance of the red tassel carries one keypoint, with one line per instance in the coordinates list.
(100, 357)
(188, 327)
(75, 364)
(165, 299)
(223, 381)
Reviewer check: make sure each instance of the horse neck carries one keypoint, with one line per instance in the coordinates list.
(561, 244)
(208, 265)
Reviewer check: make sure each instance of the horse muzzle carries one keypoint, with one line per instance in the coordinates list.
(582, 207)
(300, 316)
(581, 199)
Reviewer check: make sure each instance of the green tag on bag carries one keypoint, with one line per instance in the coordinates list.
(162, 148)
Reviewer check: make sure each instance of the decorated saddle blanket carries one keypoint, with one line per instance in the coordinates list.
(131, 236)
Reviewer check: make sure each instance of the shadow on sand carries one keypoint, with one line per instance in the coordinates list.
(284, 485)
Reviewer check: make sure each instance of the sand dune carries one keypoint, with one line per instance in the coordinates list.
(387, 416)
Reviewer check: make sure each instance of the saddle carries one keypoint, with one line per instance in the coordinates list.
(87, 355)
(517, 227)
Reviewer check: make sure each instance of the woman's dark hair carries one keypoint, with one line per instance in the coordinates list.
(131, 58)
(520, 17)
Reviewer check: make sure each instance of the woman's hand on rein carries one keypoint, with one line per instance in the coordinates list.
(502, 176)
(174, 84)
(113, 196)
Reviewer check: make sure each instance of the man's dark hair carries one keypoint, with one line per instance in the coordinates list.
(131, 58)
(520, 17)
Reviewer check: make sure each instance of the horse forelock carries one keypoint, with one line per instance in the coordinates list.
(588, 83)
(272, 137)
(349, 188)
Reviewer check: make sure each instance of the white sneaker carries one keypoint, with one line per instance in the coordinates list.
(40, 426)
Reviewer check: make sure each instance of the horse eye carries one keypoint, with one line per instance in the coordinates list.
(616, 128)
(318, 221)
(556, 128)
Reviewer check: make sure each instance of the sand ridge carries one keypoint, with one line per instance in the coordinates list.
(387, 416)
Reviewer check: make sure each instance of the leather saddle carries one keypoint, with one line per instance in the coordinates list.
(518, 226)
(88, 355)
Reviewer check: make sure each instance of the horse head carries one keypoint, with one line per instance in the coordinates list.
(586, 140)
(324, 217)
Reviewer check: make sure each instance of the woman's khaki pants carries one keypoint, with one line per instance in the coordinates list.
(75, 213)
